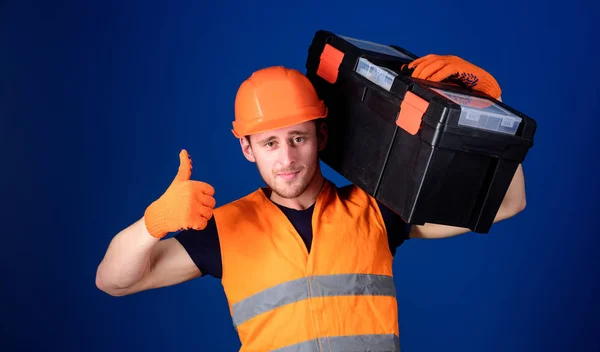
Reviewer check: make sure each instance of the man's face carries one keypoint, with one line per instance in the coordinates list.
(287, 158)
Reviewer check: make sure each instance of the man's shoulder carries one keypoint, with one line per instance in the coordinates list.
(243, 203)
(393, 222)
(355, 194)
(352, 192)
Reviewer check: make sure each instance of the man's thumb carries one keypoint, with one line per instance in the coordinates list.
(185, 166)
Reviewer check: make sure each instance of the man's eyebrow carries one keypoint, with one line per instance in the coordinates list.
(290, 133)
(265, 140)
(298, 132)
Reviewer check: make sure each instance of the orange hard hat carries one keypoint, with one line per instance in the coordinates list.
(275, 97)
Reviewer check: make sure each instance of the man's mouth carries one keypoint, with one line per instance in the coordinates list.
(288, 175)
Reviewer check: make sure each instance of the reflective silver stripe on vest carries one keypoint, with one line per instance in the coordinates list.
(354, 343)
(312, 286)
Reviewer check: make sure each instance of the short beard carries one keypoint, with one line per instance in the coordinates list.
(292, 192)
(295, 191)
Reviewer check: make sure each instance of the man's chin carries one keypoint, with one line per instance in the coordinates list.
(288, 192)
(289, 189)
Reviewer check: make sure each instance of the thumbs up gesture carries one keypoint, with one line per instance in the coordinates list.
(186, 204)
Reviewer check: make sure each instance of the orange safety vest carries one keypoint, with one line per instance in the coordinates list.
(340, 297)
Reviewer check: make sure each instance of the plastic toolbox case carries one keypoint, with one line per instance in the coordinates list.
(431, 152)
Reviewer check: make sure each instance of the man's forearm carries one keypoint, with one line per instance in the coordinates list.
(126, 258)
(512, 204)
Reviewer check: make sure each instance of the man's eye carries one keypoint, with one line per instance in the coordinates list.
(269, 144)
(299, 139)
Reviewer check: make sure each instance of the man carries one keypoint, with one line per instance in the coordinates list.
(305, 265)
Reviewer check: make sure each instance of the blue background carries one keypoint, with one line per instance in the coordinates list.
(97, 99)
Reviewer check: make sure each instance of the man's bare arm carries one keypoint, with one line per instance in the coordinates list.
(136, 261)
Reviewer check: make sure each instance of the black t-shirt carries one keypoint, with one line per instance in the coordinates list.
(204, 248)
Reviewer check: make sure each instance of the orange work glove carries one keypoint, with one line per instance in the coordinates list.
(438, 68)
(185, 204)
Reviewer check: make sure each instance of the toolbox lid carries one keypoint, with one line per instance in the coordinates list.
(376, 48)
(483, 114)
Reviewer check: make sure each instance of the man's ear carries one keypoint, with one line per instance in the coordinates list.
(322, 133)
(247, 149)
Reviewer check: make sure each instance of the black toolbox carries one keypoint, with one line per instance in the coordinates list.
(431, 152)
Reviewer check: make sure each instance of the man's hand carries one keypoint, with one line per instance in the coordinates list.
(437, 68)
(185, 204)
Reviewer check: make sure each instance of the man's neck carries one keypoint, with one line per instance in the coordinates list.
(306, 199)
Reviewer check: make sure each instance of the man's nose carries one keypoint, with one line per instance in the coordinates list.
(286, 154)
